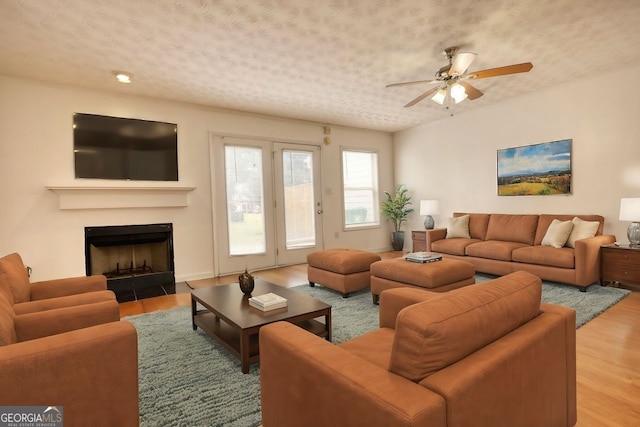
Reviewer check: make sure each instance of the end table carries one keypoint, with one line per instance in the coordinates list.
(419, 241)
(620, 263)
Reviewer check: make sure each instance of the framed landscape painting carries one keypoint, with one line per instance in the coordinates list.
(535, 170)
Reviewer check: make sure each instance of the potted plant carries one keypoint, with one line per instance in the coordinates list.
(396, 209)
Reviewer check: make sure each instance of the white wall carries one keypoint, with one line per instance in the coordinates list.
(36, 150)
(454, 160)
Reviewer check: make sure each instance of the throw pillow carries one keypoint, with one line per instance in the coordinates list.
(581, 230)
(458, 227)
(557, 233)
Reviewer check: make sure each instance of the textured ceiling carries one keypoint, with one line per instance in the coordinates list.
(326, 61)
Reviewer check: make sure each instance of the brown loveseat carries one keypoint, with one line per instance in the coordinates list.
(501, 244)
(78, 356)
(482, 355)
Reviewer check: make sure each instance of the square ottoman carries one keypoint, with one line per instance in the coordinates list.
(439, 276)
(343, 270)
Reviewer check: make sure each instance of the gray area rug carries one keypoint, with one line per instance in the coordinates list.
(586, 304)
(188, 379)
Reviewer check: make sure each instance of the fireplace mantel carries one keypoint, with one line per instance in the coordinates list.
(87, 197)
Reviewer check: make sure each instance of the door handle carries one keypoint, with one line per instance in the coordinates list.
(319, 211)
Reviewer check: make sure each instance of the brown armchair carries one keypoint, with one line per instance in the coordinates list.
(81, 358)
(28, 297)
(481, 355)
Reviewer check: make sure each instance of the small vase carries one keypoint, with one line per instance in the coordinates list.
(246, 282)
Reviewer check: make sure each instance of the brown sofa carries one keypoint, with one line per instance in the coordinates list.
(79, 357)
(502, 243)
(481, 355)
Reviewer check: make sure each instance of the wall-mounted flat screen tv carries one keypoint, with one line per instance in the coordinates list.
(126, 149)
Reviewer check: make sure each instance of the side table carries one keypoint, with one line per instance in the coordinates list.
(620, 263)
(419, 241)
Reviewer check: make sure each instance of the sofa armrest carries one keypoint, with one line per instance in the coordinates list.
(307, 381)
(92, 373)
(587, 258)
(395, 299)
(40, 324)
(435, 234)
(525, 375)
(69, 286)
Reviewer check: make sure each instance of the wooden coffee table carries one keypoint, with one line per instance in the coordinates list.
(228, 317)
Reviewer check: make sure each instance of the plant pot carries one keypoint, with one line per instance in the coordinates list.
(397, 240)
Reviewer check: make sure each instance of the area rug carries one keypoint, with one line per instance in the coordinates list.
(188, 379)
(586, 304)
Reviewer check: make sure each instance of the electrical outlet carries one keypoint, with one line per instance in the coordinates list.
(336, 235)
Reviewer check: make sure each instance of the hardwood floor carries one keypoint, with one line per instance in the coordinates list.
(608, 348)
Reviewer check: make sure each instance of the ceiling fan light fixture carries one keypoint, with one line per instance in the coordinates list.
(458, 99)
(458, 91)
(122, 76)
(439, 97)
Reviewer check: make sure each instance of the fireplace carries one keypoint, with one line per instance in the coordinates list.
(136, 259)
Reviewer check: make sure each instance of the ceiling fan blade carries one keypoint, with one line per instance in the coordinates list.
(501, 71)
(421, 97)
(461, 62)
(472, 92)
(412, 83)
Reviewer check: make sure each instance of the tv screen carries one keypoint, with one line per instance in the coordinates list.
(127, 149)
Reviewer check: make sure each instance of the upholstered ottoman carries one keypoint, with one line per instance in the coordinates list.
(343, 270)
(439, 276)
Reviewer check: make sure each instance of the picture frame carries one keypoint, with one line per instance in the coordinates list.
(535, 170)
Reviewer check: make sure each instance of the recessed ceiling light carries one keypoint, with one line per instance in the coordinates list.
(122, 76)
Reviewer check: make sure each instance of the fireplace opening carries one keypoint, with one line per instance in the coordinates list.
(136, 259)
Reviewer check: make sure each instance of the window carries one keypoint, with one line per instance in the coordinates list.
(360, 188)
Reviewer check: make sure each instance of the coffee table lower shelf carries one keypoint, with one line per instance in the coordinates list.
(231, 338)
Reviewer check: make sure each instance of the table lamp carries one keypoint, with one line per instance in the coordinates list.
(630, 211)
(428, 208)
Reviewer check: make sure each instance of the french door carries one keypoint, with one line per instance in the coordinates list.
(267, 207)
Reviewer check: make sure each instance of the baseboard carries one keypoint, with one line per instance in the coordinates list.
(198, 276)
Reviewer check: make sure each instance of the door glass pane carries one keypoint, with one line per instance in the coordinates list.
(298, 199)
(245, 205)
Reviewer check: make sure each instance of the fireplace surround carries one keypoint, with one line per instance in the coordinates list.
(136, 259)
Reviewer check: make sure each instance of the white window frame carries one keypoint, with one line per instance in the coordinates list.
(373, 188)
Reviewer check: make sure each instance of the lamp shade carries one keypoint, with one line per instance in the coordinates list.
(429, 207)
(629, 209)
(439, 96)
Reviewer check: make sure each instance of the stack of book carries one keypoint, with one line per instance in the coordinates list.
(423, 257)
(267, 302)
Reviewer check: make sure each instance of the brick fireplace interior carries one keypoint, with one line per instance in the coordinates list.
(136, 259)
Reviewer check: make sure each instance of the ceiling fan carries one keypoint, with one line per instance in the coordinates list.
(452, 79)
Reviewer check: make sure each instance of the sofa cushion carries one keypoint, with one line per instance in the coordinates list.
(545, 255)
(437, 333)
(493, 249)
(374, 346)
(458, 228)
(478, 223)
(545, 221)
(582, 230)
(17, 277)
(452, 246)
(7, 317)
(512, 228)
(557, 233)
(5, 289)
